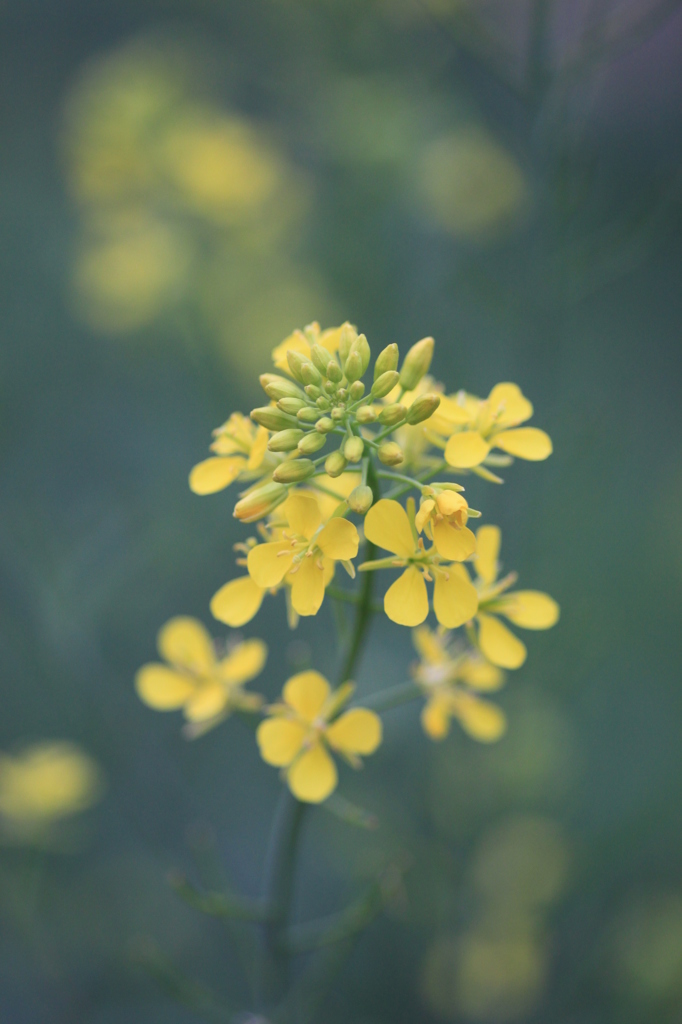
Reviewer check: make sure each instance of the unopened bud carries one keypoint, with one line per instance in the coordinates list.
(276, 387)
(260, 502)
(323, 403)
(385, 383)
(348, 336)
(312, 443)
(293, 471)
(391, 454)
(392, 415)
(338, 413)
(273, 418)
(291, 405)
(422, 408)
(312, 391)
(353, 449)
(321, 357)
(324, 425)
(356, 391)
(285, 440)
(353, 366)
(386, 360)
(311, 375)
(361, 345)
(334, 375)
(416, 364)
(335, 464)
(361, 499)
(308, 415)
(366, 414)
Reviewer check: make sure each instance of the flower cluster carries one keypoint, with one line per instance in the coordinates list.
(324, 466)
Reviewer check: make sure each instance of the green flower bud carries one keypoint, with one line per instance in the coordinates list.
(390, 415)
(324, 425)
(321, 357)
(276, 387)
(335, 464)
(361, 345)
(334, 376)
(385, 383)
(338, 413)
(354, 448)
(422, 408)
(366, 414)
(291, 405)
(323, 403)
(353, 366)
(312, 391)
(312, 443)
(260, 502)
(361, 499)
(357, 390)
(390, 453)
(293, 471)
(416, 364)
(285, 440)
(273, 418)
(311, 375)
(296, 361)
(348, 336)
(386, 360)
(308, 415)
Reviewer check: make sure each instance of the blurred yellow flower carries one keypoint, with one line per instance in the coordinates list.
(302, 342)
(240, 448)
(406, 601)
(44, 783)
(206, 687)
(302, 731)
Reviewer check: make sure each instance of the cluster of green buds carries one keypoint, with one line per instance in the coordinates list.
(328, 402)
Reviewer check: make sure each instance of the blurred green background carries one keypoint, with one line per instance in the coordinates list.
(182, 184)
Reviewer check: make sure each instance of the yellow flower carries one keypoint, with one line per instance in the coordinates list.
(44, 783)
(477, 425)
(530, 609)
(447, 676)
(303, 552)
(303, 730)
(406, 601)
(206, 687)
(302, 342)
(443, 516)
(240, 449)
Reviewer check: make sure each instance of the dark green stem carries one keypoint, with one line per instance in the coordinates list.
(393, 697)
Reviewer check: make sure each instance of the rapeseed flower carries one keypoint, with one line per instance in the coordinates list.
(443, 516)
(207, 688)
(530, 609)
(240, 448)
(406, 601)
(303, 731)
(303, 341)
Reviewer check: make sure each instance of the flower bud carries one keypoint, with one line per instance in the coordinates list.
(321, 357)
(353, 449)
(335, 464)
(285, 440)
(390, 453)
(361, 345)
(323, 403)
(392, 415)
(357, 390)
(311, 375)
(324, 425)
(348, 336)
(338, 413)
(293, 471)
(295, 361)
(276, 387)
(386, 360)
(312, 391)
(353, 366)
(273, 418)
(312, 443)
(334, 375)
(416, 364)
(366, 414)
(361, 499)
(385, 383)
(260, 502)
(342, 394)
(422, 408)
(308, 415)
(291, 405)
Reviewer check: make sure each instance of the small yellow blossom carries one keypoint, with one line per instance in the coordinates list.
(302, 552)
(240, 448)
(302, 342)
(406, 601)
(530, 609)
(206, 687)
(443, 516)
(45, 783)
(302, 731)
(448, 675)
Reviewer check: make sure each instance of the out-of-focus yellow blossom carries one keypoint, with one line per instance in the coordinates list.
(406, 601)
(302, 731)
(43, 784)
(302, 342)
(240, 448)
(443, 515)
(530, 609)
(302, 552)
(448, 675)
(206, 687)
(477, 425)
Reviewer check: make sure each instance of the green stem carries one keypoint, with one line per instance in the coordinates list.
(393, 697)
(400, 476)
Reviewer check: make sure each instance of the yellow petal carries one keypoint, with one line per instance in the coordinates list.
(237, 601)
(406, 601)
(243, 662)
(258, 449)
(499, 643)
(488, 539)
(480, 674)
(306, 693)
(357, 731)
(450, 502)
(331, 337)
(268, 564)
(215, 473)
(483, 721)
(455, 599)
(525, 443)
(448, 416)
(207, 701)
(508, 405)
(531, 609)
(453, 543)
(435, 718)
(302, 513)
(307, 586)
(296, 342)
(429, 646)
(466, 449)
(186, 643)
(162, 688)
(280, 740)
(424, 514)
(312, 777)
(339, 539)
(387, 526)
